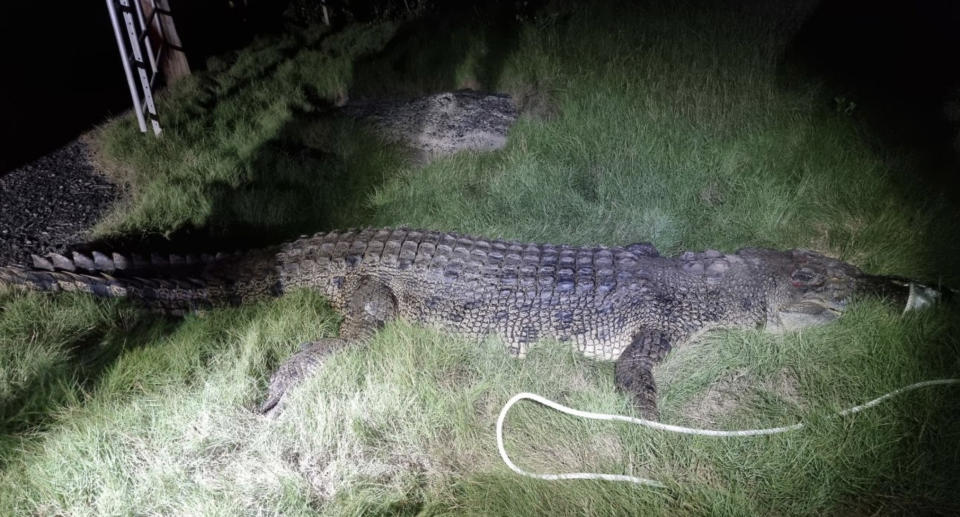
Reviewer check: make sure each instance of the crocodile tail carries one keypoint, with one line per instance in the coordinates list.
(173, 295)
(98, 262)
(174, 284)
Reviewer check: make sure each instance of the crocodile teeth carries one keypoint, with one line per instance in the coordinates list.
(41, 263)
(103, 262)
(61, 262)
(83, 261)
(159, 260)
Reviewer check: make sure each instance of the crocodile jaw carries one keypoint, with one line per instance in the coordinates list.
(807, 313)
(814, 310)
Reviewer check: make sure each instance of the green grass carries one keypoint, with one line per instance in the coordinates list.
(239, 148)
(688, 131)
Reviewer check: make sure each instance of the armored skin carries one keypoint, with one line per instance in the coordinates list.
(625, 303)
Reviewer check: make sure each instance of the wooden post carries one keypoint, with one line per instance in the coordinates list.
(173, 60)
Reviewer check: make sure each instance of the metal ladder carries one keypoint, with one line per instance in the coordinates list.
(137, 52)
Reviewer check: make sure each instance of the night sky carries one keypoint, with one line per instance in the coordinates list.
(62, 71)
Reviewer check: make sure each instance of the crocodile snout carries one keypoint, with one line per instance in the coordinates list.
(905, 293)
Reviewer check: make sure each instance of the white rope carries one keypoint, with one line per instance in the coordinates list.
(664, 427)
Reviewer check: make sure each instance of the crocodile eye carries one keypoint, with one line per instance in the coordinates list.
(805, 277)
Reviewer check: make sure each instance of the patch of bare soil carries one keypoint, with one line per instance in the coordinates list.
(735, 391)
(441, 124)
(722, 398)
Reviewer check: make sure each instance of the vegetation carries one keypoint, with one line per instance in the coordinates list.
(687, 130)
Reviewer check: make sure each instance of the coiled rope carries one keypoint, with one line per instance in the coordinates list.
(665, 427)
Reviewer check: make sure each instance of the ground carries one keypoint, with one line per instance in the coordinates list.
(690, 129)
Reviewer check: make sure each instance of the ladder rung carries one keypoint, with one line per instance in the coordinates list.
(156, 71)
(156, 60)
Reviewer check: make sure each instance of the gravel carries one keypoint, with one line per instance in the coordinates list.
(50, 204)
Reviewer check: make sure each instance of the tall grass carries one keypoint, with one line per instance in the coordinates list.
(680, 132)
(676, 125)
(236, 149)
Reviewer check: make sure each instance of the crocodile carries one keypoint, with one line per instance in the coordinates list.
(626, 304)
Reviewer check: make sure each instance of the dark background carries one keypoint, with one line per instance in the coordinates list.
(62, 74)
(900, 63)
(61, 70)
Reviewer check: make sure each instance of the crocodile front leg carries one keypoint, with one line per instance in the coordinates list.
(633, 372)
(369, 306)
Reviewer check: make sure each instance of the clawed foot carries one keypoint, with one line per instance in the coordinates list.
(637, 382)
(294, 370)
(645, 404)
(633, 373)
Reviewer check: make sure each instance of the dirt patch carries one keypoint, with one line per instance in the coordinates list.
(737, 391)
(784, 386)
(441, 124)
(720, 399)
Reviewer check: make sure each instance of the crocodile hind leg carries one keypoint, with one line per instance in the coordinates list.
(297, 368)
(369, 306)
(633, 372)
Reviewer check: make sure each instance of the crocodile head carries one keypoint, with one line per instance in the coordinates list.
(812, 289)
